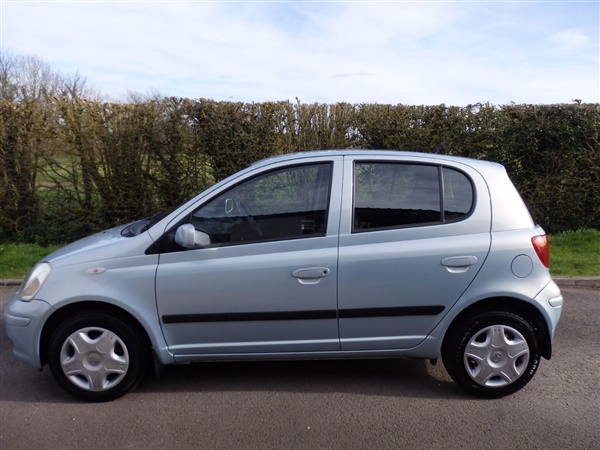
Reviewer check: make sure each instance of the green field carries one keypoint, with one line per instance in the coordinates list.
(574, 253)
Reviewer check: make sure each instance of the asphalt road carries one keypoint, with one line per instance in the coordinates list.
(308, 405)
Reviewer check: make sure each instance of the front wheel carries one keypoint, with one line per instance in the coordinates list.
(492, 354)
(96, 357)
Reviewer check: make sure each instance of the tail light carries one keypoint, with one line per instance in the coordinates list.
(541, 245)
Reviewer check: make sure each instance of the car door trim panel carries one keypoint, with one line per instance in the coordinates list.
(250, 316)
(304, 315)
(432, 310)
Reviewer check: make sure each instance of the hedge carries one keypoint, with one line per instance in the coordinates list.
(71, 166)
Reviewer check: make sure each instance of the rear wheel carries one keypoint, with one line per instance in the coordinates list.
(492, 354)
(96, 357)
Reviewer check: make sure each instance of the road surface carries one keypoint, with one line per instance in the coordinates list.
(328, 404)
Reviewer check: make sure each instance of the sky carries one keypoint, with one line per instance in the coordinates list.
(388, 52)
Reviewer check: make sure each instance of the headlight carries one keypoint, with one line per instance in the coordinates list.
(34, 281)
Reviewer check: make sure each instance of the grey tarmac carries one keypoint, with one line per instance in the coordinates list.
(318, 404)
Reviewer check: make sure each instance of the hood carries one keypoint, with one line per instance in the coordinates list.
(106, 244)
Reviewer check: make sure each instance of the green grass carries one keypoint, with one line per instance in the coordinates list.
(574, 253)
(17, 259)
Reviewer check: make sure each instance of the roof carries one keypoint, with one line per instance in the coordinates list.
(367, 152)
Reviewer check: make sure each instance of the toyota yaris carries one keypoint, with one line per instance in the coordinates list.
(335, 254)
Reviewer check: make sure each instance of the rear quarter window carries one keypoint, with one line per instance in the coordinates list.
(458, 194)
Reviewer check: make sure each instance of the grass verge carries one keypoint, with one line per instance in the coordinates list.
(573, 254)
(17, 259)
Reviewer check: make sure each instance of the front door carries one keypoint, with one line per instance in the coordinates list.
(267, 280)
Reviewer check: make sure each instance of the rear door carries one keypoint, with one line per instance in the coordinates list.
(414, 234)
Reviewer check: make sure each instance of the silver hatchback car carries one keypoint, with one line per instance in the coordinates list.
(333, 254)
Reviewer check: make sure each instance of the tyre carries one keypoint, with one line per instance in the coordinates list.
(492, 354)
(96, 356)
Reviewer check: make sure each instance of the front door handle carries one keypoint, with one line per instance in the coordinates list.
(311, 275)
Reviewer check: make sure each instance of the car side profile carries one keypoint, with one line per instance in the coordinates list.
(330, 254)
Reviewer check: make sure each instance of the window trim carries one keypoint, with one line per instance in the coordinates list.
(440, 172)
(265, 173)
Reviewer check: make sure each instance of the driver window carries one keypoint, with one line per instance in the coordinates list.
(283, 204)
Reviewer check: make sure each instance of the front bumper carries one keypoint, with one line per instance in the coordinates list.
(24, 322)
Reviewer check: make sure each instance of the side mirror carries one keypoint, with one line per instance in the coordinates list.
(187, 236)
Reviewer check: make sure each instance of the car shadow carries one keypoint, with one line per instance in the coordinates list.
(373, 377)
(385, 377)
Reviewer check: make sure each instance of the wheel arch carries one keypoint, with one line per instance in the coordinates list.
(509, 304)
(88, 306)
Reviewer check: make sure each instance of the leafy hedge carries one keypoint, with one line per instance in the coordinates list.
(71, 166)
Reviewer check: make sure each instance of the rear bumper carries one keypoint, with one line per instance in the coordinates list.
(550, 299)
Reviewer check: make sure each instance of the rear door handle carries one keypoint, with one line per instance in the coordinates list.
(459, 264)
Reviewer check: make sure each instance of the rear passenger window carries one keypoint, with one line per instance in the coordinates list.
(392, 195)
(388, 195)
